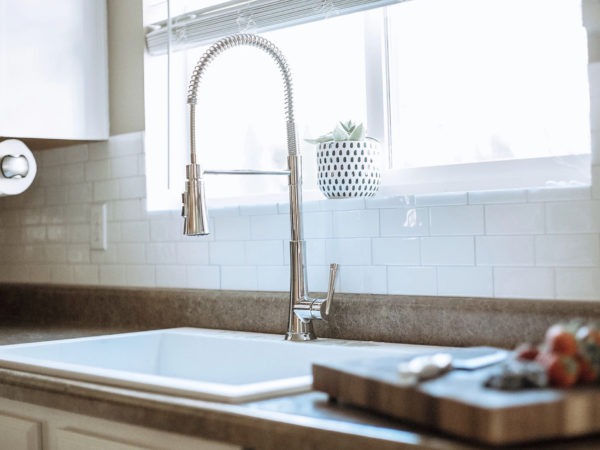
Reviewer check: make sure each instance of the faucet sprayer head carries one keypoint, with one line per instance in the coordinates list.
(194, 203)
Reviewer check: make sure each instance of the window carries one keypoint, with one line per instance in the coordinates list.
(444, 85)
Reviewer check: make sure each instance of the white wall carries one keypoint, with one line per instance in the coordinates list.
(540, 243)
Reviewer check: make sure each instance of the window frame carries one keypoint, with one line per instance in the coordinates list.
(476, 176)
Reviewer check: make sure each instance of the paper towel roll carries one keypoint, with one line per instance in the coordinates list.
(17, 167)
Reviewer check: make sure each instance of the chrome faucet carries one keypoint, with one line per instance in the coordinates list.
(303, 309)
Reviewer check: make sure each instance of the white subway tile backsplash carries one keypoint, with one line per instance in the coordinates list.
(56, 195)
(170, 276)
(318, 225)
(447, 251)
(316, 252)
(88, 274)
(50, 158)
(127, 210)
(78, 254)
(106, 190)
(134, 187)
(97, 170)
(192, 253)
(227, 253)
(578, 283)
(412, 280)
(270, 227)
(465, 281)
(223, 210)
(362, 223)
(244, 278)
(505, 250)
(141, 275)
(72, 174)
(514, 219)
(360, 279)
(568, 250)
(108, 256)
(57, 233)
(203, 277)
(52, 176)
(75, 154)
(40, 273)
(526, 243)
(135, 231)
(31, 218)
(264, 253)
(99, 150)
(235, 228)
(166, 230)
(79, 193)
(78, 233)
(396, 251)
(318, 278)
(124, 167)
(273, 278)
(34, 234)
(54, 253)
(404, 222)
(140, 253)
(351, 252)
(61, 273)
(456, 220)
(69, 214)
(573, 217)
(524, 282)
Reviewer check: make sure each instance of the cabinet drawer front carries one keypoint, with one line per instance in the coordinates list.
(20, 434)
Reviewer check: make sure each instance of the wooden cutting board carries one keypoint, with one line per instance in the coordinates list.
(459, 404)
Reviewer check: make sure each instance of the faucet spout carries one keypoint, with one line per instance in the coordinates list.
(302, 308)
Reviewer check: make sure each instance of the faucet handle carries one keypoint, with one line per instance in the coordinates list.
(333, 267)
(318, 308)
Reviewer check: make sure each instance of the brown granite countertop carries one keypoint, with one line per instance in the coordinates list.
(295, 422)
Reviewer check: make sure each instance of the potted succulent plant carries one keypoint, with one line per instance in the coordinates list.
(348, 162)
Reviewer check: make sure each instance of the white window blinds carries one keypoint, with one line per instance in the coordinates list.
(204, 26)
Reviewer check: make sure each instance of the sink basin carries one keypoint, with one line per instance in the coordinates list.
(204, 364)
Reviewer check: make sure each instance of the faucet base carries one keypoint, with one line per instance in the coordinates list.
(300, 336)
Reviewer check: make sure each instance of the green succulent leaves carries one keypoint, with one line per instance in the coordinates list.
(344, 131)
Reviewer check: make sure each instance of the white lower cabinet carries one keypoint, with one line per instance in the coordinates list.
(18, 433)
(24, 426)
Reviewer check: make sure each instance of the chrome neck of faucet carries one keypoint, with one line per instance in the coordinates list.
(302, 308)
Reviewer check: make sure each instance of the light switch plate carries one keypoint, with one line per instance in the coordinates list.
(98, 223)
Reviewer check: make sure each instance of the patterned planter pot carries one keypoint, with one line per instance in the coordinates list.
(349, 168)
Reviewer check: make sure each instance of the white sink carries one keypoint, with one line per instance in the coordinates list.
(204, 364)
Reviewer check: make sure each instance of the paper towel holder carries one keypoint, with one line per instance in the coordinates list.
(14, 166)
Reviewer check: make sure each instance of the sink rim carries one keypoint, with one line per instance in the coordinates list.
(194, 389)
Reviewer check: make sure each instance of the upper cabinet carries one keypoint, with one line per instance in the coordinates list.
(53, 70)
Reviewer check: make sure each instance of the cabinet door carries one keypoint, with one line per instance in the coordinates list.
(73, 440)
(53, 69)
(20, 434)
(70, 439)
